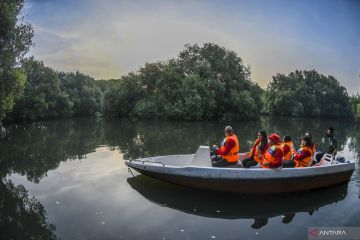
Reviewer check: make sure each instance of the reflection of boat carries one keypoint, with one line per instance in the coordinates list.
(195, 170)
(235, 206)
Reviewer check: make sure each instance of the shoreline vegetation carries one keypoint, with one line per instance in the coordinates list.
(203, 82)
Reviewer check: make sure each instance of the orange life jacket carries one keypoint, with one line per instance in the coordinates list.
(256, 152)
(233, 154)
(313, 149)
(288, 155)
(269, 155)
(303, 162)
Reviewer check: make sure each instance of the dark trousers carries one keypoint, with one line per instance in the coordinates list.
(218, 161)
(249, 162)
(288, 164)
(318, 156)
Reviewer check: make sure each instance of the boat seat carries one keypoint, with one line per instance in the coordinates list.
(326, 159)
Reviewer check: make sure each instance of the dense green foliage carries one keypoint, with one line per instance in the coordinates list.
(207, 82)
(355, 104)
(307, 93)
(15, 40)
(50, 94)
(203, 82)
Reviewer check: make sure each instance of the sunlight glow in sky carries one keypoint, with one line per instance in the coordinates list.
(106, 39)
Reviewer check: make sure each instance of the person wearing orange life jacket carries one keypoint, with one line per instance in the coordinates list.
(274, 155)
(302, 158)
(228, 153)
(288, 148)
(312, 145)
(258, 150)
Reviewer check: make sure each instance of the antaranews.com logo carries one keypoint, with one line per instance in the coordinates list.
(334, 233)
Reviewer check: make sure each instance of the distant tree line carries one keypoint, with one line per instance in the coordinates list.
(202, 82)
(50, 94)
(207, 82)
(307, 93)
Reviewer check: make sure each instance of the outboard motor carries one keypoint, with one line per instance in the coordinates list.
(340, 159)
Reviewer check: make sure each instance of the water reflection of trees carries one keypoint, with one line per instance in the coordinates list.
(355, 140)
(296, 127)
(22, 217)
(34, 149)
(158, 138)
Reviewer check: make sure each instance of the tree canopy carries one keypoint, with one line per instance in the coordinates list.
(201, 83)
(355, 105)
(51, 94)
(307, 93)
(15, 40)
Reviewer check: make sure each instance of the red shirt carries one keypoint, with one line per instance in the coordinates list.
(229, 144)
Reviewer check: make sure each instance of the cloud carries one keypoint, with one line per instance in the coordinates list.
(108, 39)
(109, 45)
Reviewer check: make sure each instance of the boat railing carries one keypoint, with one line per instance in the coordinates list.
(143, 162)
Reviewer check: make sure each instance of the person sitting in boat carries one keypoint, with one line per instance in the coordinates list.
(332, 145)
(288, 148)
(313, 146)
(228, 153)
(302, 158)
(258, 150)
(274, 155)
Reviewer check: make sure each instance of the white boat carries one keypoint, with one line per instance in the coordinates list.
(196, 171)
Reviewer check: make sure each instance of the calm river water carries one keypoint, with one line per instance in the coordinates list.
(67, 179)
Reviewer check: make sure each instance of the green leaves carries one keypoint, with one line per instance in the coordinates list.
(355, 105)
(203, 82)
(15, 40)
(307, 93)
(11, 83)
(50, 94)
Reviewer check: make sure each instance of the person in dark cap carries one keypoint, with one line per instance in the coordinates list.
(228, 153)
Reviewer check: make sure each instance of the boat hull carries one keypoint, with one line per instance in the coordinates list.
(238, 206)
(249, 180)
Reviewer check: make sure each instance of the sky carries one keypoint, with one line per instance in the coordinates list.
(109, 38)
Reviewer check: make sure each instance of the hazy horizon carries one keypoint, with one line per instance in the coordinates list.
(108, 39)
